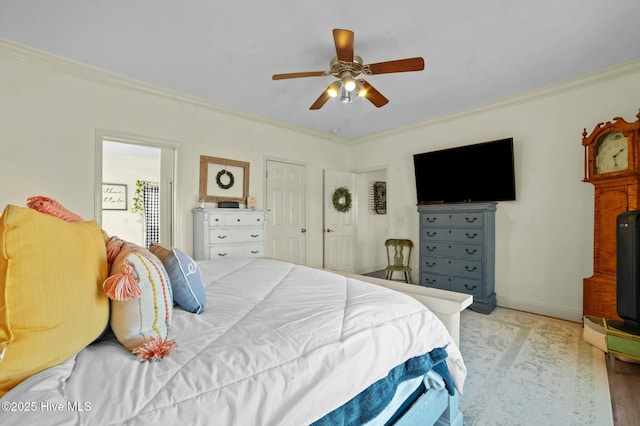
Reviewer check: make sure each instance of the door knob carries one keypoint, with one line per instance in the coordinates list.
(303, 230)
(329, 230)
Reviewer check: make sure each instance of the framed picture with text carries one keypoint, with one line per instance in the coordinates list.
(114, 196)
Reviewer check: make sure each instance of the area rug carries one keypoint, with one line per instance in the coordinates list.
(526, 369)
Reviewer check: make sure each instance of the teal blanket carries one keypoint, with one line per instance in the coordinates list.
(369, 403)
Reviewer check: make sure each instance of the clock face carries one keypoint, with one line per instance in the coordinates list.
(612, 153)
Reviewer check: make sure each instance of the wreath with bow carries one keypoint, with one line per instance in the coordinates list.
(342, 199)
(219, 179)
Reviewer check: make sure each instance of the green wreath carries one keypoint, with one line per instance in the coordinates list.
(342, 199)
(219, 179)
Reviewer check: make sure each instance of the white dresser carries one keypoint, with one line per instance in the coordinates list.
(228, 233)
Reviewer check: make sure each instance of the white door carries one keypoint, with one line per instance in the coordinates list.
(287, 205)
(339, 226)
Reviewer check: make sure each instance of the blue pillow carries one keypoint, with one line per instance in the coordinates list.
(185, 277)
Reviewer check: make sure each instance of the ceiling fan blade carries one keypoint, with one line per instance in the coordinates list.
(343, 40)
(400, 65)
(322, 99)
(373, 95)
(299, 74)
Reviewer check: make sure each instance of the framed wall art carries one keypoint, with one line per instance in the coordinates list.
(114, 196)
(223, 180)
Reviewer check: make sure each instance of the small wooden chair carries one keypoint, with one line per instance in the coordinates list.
(398, 258)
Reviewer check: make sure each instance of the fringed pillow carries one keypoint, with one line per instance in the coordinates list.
(141, 300)
(52, 207)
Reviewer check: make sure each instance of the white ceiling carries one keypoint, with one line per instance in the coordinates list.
(475, 51)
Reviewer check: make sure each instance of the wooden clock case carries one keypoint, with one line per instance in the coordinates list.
(615, 192)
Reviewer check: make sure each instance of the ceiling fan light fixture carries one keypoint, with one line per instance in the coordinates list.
(348, 81)
(345, 95)
(349, 85)
(346, 67)
(333, 89)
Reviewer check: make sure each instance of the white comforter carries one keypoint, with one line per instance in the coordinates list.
(278, 344)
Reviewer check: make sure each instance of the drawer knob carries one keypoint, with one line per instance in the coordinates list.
(469, 235)
(254, 235)
(470, 268)
(238, 220)
(222, 237)
(222, 254)
(470, 287)
(471, 251)
(255, 251)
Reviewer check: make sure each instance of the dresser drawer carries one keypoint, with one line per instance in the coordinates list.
(447, 220)
(236, 250)
(236, 219)
(446, 249)
(452, 266)
(464, 235)
(235, 235)
(457, 284)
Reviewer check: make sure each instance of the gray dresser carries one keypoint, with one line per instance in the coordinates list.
(457, 250)
(221, 233)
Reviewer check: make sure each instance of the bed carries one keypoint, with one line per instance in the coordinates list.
(259, 341)
(278, 344)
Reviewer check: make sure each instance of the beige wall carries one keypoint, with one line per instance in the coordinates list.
(49, 120)
(50, 111)
(544, 239)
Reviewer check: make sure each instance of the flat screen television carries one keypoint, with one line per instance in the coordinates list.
(472, 173)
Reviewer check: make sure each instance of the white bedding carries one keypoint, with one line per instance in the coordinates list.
(278, 344)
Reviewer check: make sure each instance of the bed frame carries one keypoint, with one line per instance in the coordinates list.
(434, 407)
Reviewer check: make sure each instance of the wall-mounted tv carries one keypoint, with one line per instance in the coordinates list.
(471, 173)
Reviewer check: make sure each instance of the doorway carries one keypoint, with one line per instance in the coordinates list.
(372, 223)
(143, 172)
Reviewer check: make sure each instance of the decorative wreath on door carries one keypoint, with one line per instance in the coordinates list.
(219, 179)
(342, 199)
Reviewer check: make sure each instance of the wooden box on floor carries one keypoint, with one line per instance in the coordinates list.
(621, 342)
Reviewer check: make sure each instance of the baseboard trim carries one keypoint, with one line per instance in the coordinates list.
(540, 309)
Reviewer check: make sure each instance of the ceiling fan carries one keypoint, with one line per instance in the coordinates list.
(346, 67)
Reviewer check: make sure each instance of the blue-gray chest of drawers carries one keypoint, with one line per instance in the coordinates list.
(457, 250)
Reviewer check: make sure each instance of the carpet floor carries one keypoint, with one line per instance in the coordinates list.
(527, 369)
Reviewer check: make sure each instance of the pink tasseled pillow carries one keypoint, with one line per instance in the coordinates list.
(50, 206)
(141, 300)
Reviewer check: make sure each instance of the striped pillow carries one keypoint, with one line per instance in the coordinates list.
(141, 302)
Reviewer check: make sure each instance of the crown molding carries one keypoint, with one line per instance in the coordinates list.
(606, 74)
(67, 66)
(64, 65)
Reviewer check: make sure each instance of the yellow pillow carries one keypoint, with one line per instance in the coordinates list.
(51, 300)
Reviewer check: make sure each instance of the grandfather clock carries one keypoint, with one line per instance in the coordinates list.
(612, 165)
